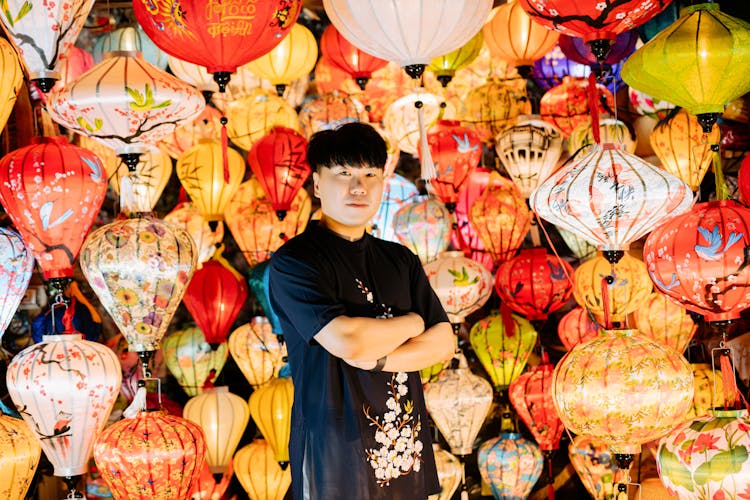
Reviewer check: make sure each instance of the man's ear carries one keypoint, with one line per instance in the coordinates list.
(316, 179)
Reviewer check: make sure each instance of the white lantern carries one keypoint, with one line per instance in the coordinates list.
(401, 119)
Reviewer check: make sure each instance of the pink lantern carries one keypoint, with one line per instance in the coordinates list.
(424, 226)
(16, 267)
(577, 327)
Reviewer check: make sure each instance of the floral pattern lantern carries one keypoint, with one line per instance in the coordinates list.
(192, 361)
(206, 240)
(254, 115)
(355, 62)
(594, 464)
(64, 388)
(154, 455)
(567, 105)
(510, 464)
(401, 119)
(271, 409)
(610, 130)
(16, 267)
(19, 456)
(577, 327)
(396, 191)
(424, 226)
(493, 108)
(206, 125)
(130, 38)
(259, 474)
(329, 111)
(450, 473)
(257, 351)
(646, 105)
(666, 322)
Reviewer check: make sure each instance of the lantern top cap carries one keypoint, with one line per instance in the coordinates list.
(62, 337)
(686, 11)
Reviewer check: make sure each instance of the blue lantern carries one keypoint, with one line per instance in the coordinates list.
(511, 465)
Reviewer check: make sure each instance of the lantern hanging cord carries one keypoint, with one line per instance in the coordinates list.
(554, 250)
(224, 148)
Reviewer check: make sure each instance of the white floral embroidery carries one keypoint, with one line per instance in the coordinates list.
(601, 6)
(397, 431)
(553, 12)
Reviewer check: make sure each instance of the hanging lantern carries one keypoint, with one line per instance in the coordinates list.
(330, 111)
(271, 409)
(594, 465)
(666, 322)
(192, 361)
(682, 147)
(646, 105)
(254, 115)
(577, 327)
(19, 456)
(738, 110)
(580, 247)
(259, 474)
(191, 220)
(223, 417)
(219, 37)
(494, 107)
(510, 464)
(743, 180)
(534, 283)
(462, 285)
(130, 38)
(12, 80)
(154, 455)
(610, 131)
(206, 125)
(444, 67)
(139, 269)
(355, 62)
(64, 388)
(567, 105)
(16, 267)
(700, 62)
(397, 190)
(195, 75)
(257, 351)
(401, 119)
(52, 192)
(708, 388)
(424, 226)
(503, 345)
(579, 51)
(550, 70)
(450, 473)
(627, 286)
(610, 197)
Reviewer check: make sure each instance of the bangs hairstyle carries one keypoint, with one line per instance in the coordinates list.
(352, 144)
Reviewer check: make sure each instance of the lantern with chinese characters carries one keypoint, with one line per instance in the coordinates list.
(206, 125)
(551, 69)
(64, 388)
(708, 389)
(19, 456)
(223, 417)
(329, 111)
(503, 342)
(130, 38)
(697, 259)
(594, 464)
(567, 105)
(254, 115)
(666, 322)
(510, 464)
(610, 130)
(192, 361)
(444, 67)
(257, 351)
(16, 267)
(577, 50)
(682, 147)
(396, 191)
(493, 108)
(259, 474)
(191, 220)
(610, 197)
(700, 62)
(219, 36)
(153, 455)
(271, 409)
(577, 327)
(355, 62)
(534, 283)
(424, 226)
(401, 119)
(529, 152)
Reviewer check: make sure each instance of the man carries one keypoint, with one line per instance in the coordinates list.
(360, 319)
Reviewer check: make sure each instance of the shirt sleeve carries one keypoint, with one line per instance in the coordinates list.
(425, 300)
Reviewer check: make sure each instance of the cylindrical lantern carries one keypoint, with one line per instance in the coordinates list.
(660, 319)
(290, 60)
(19, 456)
(424, 226)
(577, 327)
(355, 62)
(254, 115)
(192, 361)
(510, 464)
(16, 267)
(567, 105)
(271, 409)
(257, 351)
(259, 474)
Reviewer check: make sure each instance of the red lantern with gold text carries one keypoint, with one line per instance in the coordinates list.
(218, 35)
(279, 162)
(344, 55)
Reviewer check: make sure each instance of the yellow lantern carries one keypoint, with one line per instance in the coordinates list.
(223, 417)
(209, 184)
(292, 59)
(610, 131)
(493, 107)
(258, 472)
(195, 75)
(206, 240)
(445, 66)
(206, 125)
(708, 390)
(271, 409)
(10, 68)
(254, 115)
(19, 456)
(661, 319)
(682, 147)
(192, 361)
(257, 351)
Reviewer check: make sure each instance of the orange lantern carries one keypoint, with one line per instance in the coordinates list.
(257, 351)
(192, 361)
(19, 456)
(191, 220)
(355, 62)
(424, 226)
(493, 107)
(577, 327)
(259, 474)
(254, 115)
(329, 111)
(206, 125)
(567, 105)
(271, 409)
(666, 322)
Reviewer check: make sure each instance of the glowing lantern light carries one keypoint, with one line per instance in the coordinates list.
(580, 247)
(567, 105)
(424, 226)
(329, 111)
(257, 351)
(259, 474)
(660, 319)
(576, 327)
(130, 38)
(550, 70)
(494, 107)
(12, 73)
(646, 105)
(254, 115)
(271, 409)
(206, 125)
(401, 119)
(511, 464)
(195, 75)
(191, 220)
(16, 267)
(192, 361)
(19, 456)
(708, 389)
(594, 465)
(610, 131)
(396, 191)
(445, 66)
(578, 51)
(154, 455)
(355, 62)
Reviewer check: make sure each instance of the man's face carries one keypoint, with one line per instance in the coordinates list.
(349, 196)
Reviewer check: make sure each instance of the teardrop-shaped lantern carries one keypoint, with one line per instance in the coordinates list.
(355, 62)
(580, 247)
(188, 217)
(577, 327)
(401, 119)
(510, 464)
(257, 351)
(19, 456)
(493, 107)
(12, 73)
(192, 361)
(259, 473)
(130, 38)
(424, 226)
(396, 191)
(594, 464)
(253, 116)
(329, 111)
(444, 66)
(271, 409)
(64, 388)
(16, 267)
(666, 322)
(450, 473)
(567, 105)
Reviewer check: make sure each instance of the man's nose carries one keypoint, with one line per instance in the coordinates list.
(357, 185)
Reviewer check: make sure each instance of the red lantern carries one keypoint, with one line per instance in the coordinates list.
(218, 35)
(567, 105)
(577, 327)
(214, 298)
(279, 162)
(743, 180)
(534, 283)
(355, 62)
(52, 191)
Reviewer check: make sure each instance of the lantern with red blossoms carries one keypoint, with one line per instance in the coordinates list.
(355, 62)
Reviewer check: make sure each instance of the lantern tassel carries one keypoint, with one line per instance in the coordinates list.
(722, 191)
(729, 381)
(139, 401)
(594, 107)
(509, 324)
(427, 165)
(605, 300)
(224, 148)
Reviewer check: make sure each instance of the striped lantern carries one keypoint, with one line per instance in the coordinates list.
(260, 476)
(257, 351)
(19, 456)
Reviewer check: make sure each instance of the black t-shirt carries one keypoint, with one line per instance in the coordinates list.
(355, 434)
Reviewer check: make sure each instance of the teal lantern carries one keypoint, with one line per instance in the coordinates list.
(511, 465)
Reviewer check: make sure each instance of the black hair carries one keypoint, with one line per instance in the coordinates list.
(353, 144)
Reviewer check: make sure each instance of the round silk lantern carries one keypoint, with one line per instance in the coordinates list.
(195, 75)
(251, 117)
(154, 455)
(450, 473)
(271, 409)
(626, 282)
(220, 36)
(257, 351)
(12, 80)
(355, 62)
(444, 67)
(503, 342)
(534, 283)
(492, 108)
(424, 226)
(52, 192)
(401, 119)
(130, 38)
(646, 105)
(708, 390)
(510, 464)
(259, 474)
(16, 267)
(594, 464)
(551, 69)
(577, 327)
(396, 191)
(192, 361)
(610, 131)
(462, 285)
(660, 319)
(191, 220)
(206, 125)
(329, 111)
(567, 105)
(64, 388)
(697, 259)
(19, 456)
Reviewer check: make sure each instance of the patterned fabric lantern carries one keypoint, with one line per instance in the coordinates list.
(223, 417)
(450, 473)
(254, 115)
(219, 37)
(257, 351)
(682, 147)
(627, 286)
(534, 283)
(190, 219)
(503, 345)
(355, 62)
(206, 125)
(462, 285)
(700, 62)
(610, 197)
(271, 409)
(697, 259)
(130, 38)
(396, 191)
(192, 361)
(258, 472)
(19, 456)
(646, 105)
(510, 464)
(329, 111)
(666, 322)
(493, 108)
(64, 388)
(708, 389)
(52, 191)
(594, 464)
(743, 180)
(444, 67)
(529, 152)
(577, 50)
(12, 80)
(551, 69)
(139, 269)
(576, 327)
(16, 267)
(154, 455)
(401, 119)
(580, 247)
(610, 130)
(424, 226)
(567, 105)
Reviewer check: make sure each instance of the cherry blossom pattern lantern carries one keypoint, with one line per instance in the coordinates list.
(610, 130)
(153, 455)
(665, 321)
(12, 80)
(510, 464)
(611, 198)
(594, 464)
(192, 361)
(396, 191)
(259, 473)
(444, 67)
(697, 259)
(534, 283)
(424, 226)
(567, 105)
(493, 107)
(16, 267)
(206, 125)
(131, 38)
(271, 409)
(191, 220)
(64, 388)
(220, 37)
(402, 118)
(254, 115)
(355, 62)
(19, 456)
(329, 111)
(577, 327)
(257, 351)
